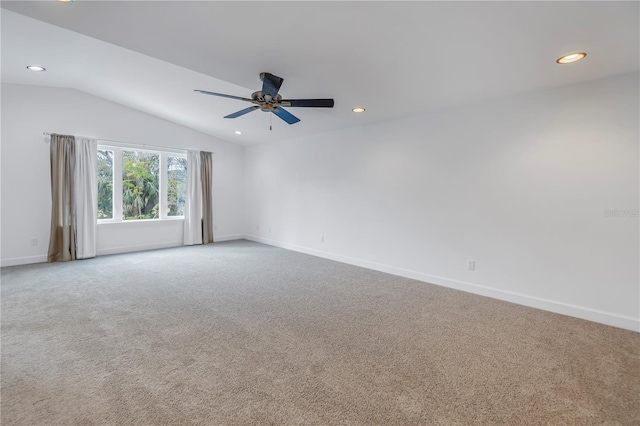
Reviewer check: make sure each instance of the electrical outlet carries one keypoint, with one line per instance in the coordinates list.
(322, 239)
(34, 242)
(471, 265)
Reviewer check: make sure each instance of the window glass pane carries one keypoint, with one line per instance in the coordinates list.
(140, 185)
(105, 184)
(177, 185)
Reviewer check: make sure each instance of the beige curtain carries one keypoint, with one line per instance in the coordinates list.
(62, 242)
(206, 177)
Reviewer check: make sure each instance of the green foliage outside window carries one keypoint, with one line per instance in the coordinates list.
(177, 185)
(140, 185)
(105, 184)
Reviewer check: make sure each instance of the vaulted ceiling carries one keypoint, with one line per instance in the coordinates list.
(394, 58)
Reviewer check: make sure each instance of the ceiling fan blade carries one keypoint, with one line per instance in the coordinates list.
(242, 112)
(313, 103)
(270, 84)
(223, 95)
(285, 115)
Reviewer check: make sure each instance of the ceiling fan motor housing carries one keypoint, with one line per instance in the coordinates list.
(265, 103)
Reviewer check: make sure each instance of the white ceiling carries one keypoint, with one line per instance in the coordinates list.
(394, 58)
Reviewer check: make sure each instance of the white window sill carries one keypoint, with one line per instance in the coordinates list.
(166, 219)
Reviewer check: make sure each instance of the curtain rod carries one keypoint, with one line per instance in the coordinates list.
(133, 145)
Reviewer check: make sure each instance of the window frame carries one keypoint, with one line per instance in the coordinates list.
(163, 153)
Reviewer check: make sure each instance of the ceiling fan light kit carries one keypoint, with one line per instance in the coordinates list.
(268, 100)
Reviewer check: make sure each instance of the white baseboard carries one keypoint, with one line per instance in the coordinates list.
(167, 244)
(23, 260)
(113, 250)
(143, 247)
(220, 239)
(608, 318)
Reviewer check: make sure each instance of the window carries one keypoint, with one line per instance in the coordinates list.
(177, 185)
(139, 184)
(105, 184)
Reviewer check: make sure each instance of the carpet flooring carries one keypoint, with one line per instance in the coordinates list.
(240, 333)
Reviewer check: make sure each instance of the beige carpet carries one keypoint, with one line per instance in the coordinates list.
(243, 333)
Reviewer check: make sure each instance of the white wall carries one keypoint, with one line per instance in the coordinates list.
(27, 111)
(519, 185)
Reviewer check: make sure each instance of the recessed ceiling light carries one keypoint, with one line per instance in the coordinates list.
(358, 109)
(572, 57)
(238, 132)
(36, 68)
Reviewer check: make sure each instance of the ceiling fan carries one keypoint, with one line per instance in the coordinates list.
(268, 100)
